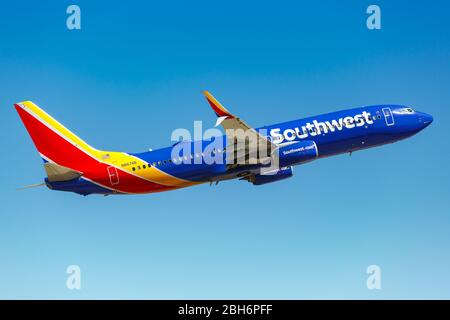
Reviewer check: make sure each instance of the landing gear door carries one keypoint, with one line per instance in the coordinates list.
(388, 116)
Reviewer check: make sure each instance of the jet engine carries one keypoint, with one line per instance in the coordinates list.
(298, 152)
(271, 176)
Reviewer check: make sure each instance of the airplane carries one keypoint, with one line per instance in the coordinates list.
(73, 165)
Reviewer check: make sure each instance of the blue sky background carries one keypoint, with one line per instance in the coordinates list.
(136, 71)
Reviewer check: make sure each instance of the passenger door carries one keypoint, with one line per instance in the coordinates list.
(113, 175)
(388, 116)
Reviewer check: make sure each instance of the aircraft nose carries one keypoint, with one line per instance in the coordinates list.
(425, 119)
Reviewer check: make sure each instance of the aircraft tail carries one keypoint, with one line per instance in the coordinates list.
(56, 144)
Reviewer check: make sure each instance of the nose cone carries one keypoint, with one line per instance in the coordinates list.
(425, 119)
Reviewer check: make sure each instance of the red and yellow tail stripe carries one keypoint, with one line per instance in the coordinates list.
(58, 144)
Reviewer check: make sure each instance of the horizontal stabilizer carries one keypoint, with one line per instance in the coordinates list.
(55, 172)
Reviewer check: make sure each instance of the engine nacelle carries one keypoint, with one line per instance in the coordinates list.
(296, 153)
(272, 176)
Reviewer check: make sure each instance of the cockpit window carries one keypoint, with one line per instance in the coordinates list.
(405, 111)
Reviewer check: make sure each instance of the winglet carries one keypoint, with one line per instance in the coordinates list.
(219, 109)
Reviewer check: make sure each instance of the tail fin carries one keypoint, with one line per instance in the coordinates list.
(54, 142)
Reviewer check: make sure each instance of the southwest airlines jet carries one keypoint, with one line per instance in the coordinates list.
(261, 155)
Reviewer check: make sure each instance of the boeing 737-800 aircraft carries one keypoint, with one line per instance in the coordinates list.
(73, 165)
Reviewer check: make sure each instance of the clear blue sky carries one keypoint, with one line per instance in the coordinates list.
(135, 72)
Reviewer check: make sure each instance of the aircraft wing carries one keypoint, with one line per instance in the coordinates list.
(231, 122)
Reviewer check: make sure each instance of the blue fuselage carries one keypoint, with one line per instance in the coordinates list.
(333, 133)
